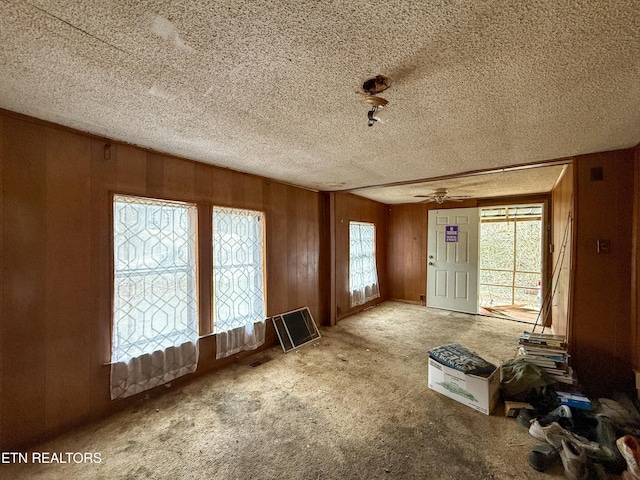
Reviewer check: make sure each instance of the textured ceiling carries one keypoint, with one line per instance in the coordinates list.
(481, 185)
(270, 87)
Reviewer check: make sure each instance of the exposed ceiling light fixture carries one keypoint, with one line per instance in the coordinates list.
(371, 88)
(377, 112)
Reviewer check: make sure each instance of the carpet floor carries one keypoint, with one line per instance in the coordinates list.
(354, 404)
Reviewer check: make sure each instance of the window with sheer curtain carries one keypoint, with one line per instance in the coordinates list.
(363, 274)
(155, 307)
(239, 310)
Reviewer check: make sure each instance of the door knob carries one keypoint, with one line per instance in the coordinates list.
(431, 263)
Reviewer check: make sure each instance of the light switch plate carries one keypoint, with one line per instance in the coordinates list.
(603, 246)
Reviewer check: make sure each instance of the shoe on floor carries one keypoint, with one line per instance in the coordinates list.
(630, 449)
(574, 460)
(525, 417)
(563, 411)
(561, 415)
(554, 433)
(542, 456)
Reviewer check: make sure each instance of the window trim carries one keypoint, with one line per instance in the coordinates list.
(112, 267)
(375, 264)
(204, 258)
(263, 253)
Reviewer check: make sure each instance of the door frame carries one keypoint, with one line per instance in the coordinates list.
(547, 258)
(447, 302)
(544, 231)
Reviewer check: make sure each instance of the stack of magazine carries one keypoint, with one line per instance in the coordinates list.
(549, 352)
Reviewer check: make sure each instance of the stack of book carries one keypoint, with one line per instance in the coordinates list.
(549, 353)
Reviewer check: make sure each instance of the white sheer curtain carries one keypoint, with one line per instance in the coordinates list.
(233, 341)
(155, 312)
(363, 274)
(238, 280)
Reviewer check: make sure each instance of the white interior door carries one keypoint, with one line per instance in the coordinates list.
(452, 255)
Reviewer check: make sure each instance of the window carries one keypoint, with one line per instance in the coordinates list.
(511, 257)
(155, 297)
(238, 268)
(363, 274)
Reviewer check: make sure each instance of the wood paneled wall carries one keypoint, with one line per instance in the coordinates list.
(407, 252)
(562, 208)
(55, 212)
(407, 244)
(600, 329)
(348, 207)
(407, 248)
(55, 208)
(635, 277)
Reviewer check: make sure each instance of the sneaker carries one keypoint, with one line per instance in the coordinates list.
(537, 431)
(574, 460)
(563, 411)
(561, 415)
(630, 449)
(554, 433)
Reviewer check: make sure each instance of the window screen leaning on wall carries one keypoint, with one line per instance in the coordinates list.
(363, 274)
(238, 280)
(155, 313)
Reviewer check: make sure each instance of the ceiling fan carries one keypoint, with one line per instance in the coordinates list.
(440, 196)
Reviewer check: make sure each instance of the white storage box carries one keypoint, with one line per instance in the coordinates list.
(479, 393)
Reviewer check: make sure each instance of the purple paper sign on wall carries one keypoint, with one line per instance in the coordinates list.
(451, 233)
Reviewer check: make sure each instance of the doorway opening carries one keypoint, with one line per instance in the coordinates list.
(511, 261)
